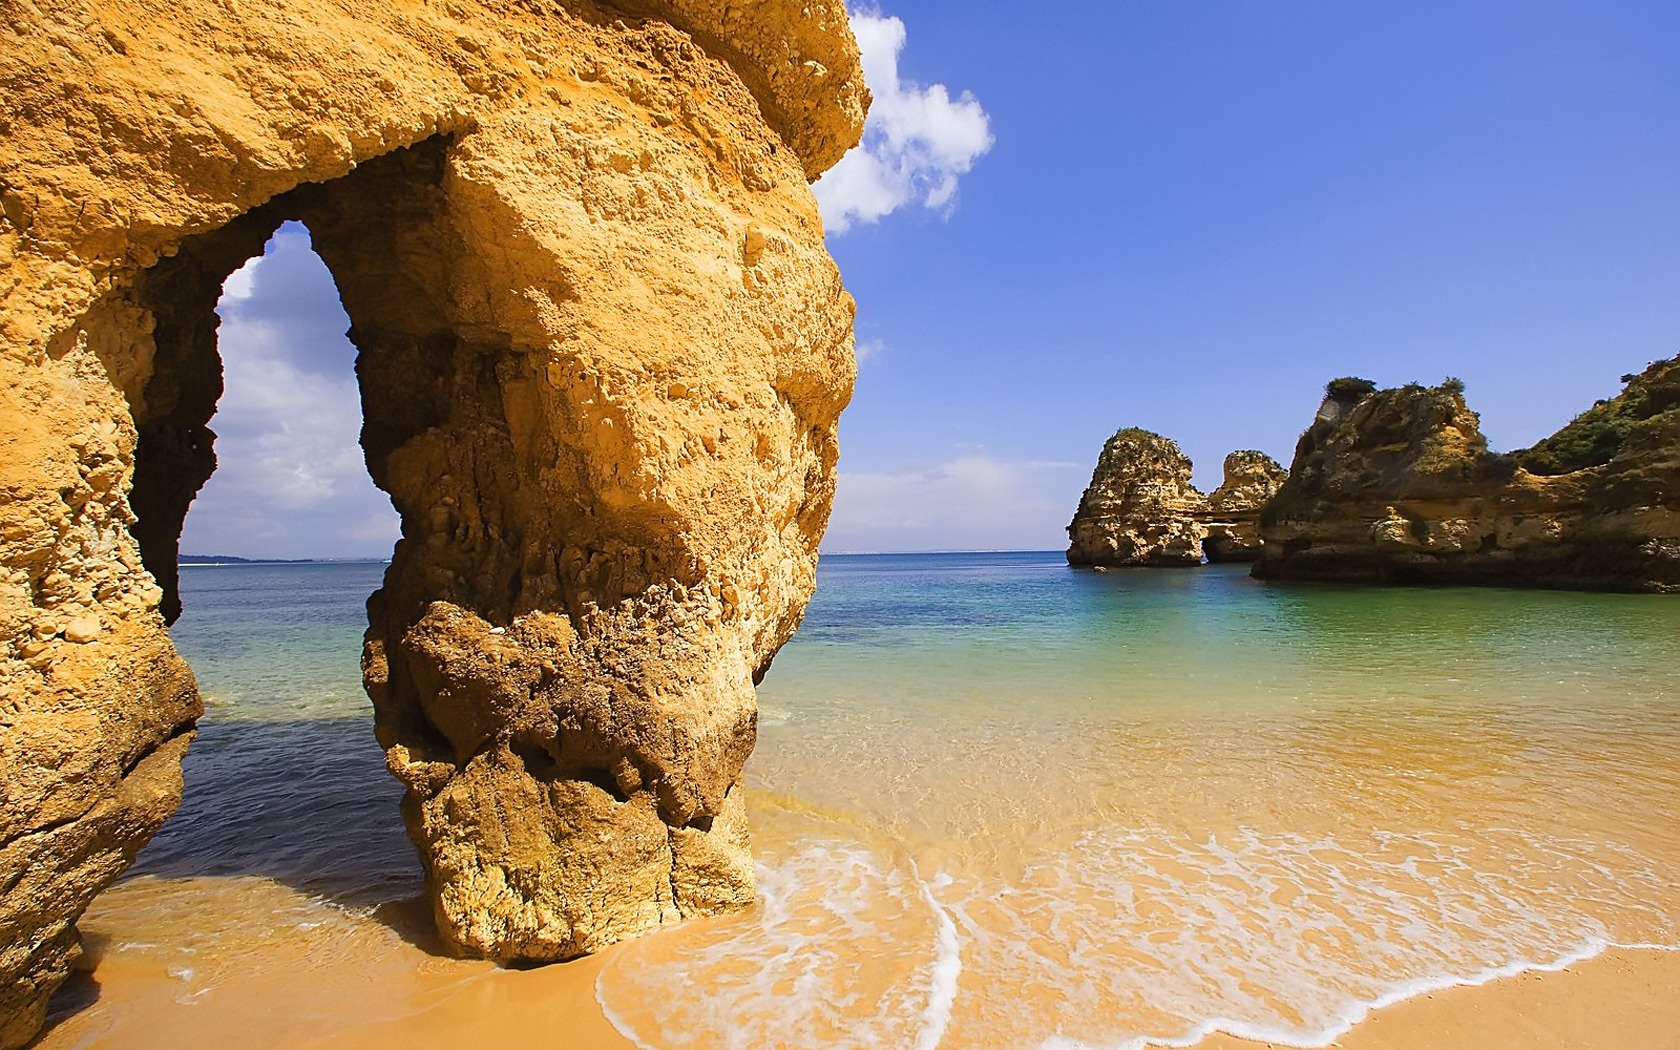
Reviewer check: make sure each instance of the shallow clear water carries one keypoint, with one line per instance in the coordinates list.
(285, 780)
(1002, 803)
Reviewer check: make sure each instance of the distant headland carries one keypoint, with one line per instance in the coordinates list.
(1399, 486)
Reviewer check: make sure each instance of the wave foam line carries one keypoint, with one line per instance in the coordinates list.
(947, 965)
(936, 1016)
(623, 1027)
(1357, 1013)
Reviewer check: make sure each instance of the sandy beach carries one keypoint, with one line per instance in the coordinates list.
(1620, 1000)
(1617, 1001)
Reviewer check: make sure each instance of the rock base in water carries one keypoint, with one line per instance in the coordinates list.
(1141, 509)
(1398, 486)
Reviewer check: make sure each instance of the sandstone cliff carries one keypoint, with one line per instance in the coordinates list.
(603, 351)
(1141, 509)
(1399, 486)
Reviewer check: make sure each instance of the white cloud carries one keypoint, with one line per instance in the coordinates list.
(290, 480)
(973, 502)
(868, 349)
(916, 143)
(238, 285)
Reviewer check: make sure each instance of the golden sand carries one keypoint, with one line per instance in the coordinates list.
(1622, 1000)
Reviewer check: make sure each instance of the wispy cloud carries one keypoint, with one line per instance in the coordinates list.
(290, 480)
(972, 502)
(917, 141)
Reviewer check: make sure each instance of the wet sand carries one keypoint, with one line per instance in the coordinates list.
(1621, 1000)
(343, 984)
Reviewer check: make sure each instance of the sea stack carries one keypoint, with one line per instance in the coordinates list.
(1398, 486)
(1141, 509)
(602, 351)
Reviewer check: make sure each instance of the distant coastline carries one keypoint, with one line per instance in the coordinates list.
(230, 559)
(924, 553)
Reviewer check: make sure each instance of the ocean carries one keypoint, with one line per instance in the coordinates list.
(996, 803)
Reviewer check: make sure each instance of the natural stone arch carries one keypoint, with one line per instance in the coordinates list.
(473, 719)
(602, 350)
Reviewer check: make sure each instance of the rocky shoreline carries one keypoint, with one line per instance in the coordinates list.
(1398, 486)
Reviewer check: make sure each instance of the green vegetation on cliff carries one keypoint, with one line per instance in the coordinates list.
(1415, 437)
(1594, 437)
(1398, 486)
(1349, 388)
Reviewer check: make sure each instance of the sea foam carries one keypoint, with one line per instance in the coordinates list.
(848, 948)
(1132, 938)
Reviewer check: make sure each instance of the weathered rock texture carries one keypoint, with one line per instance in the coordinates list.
(1399, 486)
(602, 353)
(1141, 509)
(1231, 520)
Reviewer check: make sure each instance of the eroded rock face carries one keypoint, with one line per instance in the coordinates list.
(1399, 486)
(1231, 522)
(1140, 508)
(602, 352)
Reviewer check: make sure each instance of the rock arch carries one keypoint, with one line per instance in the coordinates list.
(602, 352)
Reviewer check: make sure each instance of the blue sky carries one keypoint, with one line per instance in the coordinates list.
(1181, 216)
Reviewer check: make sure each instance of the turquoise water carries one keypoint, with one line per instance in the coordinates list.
(285, 780)
(998, 802)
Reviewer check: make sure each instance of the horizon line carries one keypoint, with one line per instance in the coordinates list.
(234, 559)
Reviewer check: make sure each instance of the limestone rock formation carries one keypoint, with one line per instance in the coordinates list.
(1399, 486)
(602, 350)
(1231, 522)
(1140, 508)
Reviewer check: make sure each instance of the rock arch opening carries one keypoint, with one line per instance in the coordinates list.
(561, 693)
(290, 480)
(353, 224)
(284, 780)
(602, 351)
